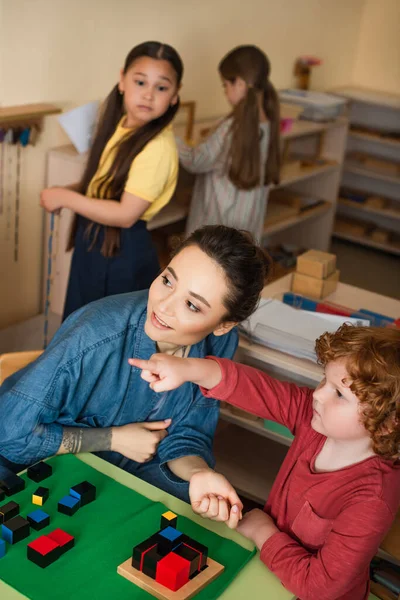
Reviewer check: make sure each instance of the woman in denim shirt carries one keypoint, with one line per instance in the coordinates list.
(81, 395)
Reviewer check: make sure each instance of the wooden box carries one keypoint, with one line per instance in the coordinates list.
(315, 263)
(312, 287)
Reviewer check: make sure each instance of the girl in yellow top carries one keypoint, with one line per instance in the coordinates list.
(130, 175)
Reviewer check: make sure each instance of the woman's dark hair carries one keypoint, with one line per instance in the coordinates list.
(113, 183)
(245, 264)
(244, 162)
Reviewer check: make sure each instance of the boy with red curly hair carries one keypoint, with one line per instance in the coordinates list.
(338, 489)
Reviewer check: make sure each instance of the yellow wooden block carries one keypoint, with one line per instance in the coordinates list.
(311, 287)
(316, 264)
(169, 515)
(37, 500)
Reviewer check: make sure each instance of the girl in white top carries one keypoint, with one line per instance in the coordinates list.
(239, 160)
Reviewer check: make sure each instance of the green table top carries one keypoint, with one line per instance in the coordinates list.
(254, 580)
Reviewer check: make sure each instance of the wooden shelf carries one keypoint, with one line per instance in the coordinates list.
(250, 462)
(369, 96)
(385, 212)
(375, 139)
(351, 168)
(297, 219)
(302, 128)
(365, 241)
(171, 213)
(307, 173)
(254, 426)
(26, 113)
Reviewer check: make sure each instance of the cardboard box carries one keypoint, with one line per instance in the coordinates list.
(316, 264)
(312, 287)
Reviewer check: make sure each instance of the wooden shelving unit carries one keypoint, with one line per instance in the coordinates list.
(26, 114)
(373, 147)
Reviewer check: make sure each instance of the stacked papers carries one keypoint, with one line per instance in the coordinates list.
(282, 327)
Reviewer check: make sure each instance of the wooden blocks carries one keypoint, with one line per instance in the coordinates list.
(40, 496)
(69, 505)
(12, 485)
(8, 511)
(39, 471)
(38, 519)
(15, 530)
(169, 564)
(46, 549)
(79, 496)
(2, 548)
(85, 492)
(316, 264)
(316, 275)
(168, 519)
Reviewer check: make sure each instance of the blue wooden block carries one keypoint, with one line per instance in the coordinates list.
(2, 548)
(69, 505)
(38, 519)
(170, 533)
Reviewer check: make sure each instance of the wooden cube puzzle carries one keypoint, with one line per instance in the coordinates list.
(169, 564)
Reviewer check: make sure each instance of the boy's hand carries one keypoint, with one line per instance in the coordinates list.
(162, 372)
(139, 441)
(258, 526)
(213, 497)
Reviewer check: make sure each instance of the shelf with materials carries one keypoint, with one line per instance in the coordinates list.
(372, 166)
(370, 173)
(311, 213)
(382, 212)
(366, 241)
(374, 138)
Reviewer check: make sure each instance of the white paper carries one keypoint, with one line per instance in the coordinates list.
(282, 327)
(79, 125)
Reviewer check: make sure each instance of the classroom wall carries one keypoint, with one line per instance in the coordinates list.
(377, 60)
(69, 52)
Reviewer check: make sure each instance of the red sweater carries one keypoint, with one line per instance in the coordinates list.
(330, 524)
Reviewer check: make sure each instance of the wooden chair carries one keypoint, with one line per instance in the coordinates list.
(14, 361)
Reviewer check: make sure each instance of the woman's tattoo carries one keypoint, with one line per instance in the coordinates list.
(76, 439)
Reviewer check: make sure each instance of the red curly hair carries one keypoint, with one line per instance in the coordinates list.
(372, 358)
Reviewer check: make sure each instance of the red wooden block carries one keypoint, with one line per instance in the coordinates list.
(43, 545)
(173, 571)
(62, 538)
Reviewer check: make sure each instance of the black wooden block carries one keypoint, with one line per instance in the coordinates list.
(12, 485)
(39, 471)
(85, 491)
(8, 511)
(15, 530)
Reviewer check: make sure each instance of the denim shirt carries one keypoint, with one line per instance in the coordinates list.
(83, 379)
